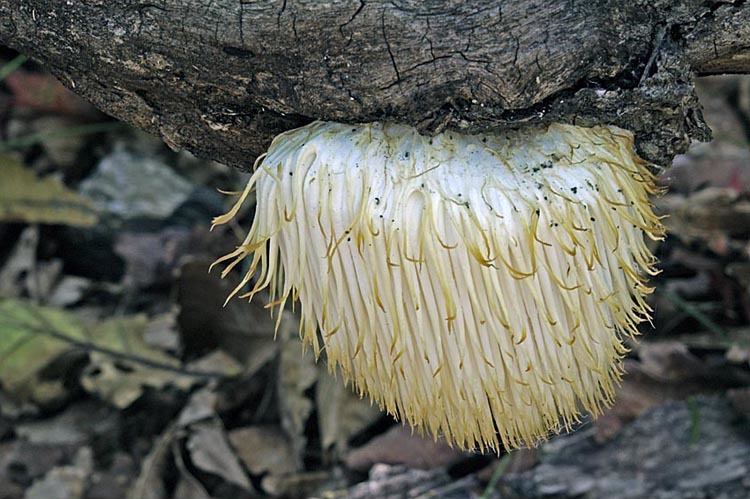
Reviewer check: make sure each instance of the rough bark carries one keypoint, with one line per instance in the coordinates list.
(222, 77)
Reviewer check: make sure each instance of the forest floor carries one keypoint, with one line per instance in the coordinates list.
(123, 376)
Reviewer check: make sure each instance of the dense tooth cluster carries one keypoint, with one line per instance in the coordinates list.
(477, 286)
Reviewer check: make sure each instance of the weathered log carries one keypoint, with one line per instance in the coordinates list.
(222, 77)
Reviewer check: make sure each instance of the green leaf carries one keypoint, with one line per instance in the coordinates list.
(25, 351)
(32, 337)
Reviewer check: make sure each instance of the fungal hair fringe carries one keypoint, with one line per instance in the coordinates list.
(479, 287)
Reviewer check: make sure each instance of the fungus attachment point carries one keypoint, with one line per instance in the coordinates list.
(476, 286)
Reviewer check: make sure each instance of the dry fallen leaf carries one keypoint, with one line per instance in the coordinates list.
(210, 451)
(20, 262)
(64, 482)
(24, 275)
(303, 484)
(121, 381)
(26, 461)
(121, 384)
(201, 406)
(297, 373)
(341, 412)
(188, 486)
(161, 332)
(218, 362)
(72, 427)
(246, 331)
(151, 259)
(150, 482)
(263, 449)
(26, 198)
(399, 445)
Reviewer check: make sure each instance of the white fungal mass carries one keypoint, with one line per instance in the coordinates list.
(477, 286)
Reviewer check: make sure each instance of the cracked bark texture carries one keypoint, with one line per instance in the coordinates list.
(222, 77)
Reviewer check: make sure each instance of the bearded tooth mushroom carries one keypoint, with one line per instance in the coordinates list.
(478, 287)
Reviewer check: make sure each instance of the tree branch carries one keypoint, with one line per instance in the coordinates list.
(221, 78)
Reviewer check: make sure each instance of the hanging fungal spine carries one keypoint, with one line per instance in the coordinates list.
(476, 286)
